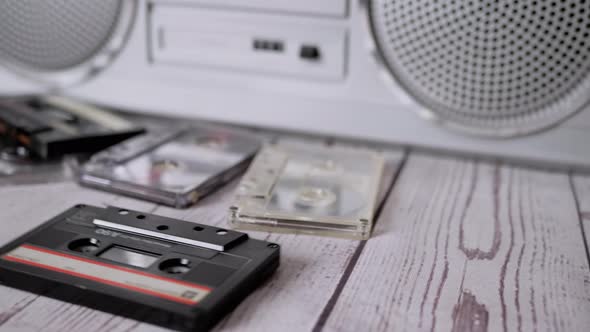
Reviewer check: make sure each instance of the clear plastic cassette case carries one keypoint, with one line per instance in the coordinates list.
(175, 168)
(314, 190)
(18, 167)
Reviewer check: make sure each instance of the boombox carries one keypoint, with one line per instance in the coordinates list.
(502, 78)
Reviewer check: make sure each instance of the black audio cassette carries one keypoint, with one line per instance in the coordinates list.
(51, 127)
(172, 167)
(154, 269)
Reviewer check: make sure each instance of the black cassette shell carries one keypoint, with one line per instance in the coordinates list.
(184, 287)
(54, 127)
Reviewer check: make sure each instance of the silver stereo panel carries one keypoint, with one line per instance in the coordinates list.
(504, 79)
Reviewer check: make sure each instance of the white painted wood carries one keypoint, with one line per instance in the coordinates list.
(470, 246)
(518, 265)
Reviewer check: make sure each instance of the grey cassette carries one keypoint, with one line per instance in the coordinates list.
(175, 168)
(321, 191)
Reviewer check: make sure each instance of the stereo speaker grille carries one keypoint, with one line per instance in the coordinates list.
(55, 35)
(499, 67)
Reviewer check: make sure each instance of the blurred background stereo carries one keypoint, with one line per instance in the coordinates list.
(501, 78)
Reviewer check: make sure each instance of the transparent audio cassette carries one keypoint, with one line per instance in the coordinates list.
(175, 168)
(18, 167)
(323, 191)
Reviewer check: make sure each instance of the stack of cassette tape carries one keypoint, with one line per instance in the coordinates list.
(170, 272)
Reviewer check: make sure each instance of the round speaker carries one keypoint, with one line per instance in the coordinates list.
(502, 67)
(62, 41)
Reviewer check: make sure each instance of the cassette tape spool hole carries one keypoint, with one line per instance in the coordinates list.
(312, 197)
(175, 265)
(211, 142)
(165, 165)
(85, 245)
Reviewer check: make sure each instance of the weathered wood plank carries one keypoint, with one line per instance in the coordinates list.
(470, 246)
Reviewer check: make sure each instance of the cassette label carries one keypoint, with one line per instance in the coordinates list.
(107, 274)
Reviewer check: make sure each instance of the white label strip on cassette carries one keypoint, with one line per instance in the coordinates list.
(113, 275)
(157, 235)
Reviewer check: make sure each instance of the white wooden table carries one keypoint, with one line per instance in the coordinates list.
(459, 245)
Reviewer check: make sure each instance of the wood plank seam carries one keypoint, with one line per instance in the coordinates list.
(467, 305)
(538, 279)
(6, 316)
(581, 216)
(323, 318)
(445, 254)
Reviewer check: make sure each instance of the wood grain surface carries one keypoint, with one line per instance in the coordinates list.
(470, 246)
(459, 245)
